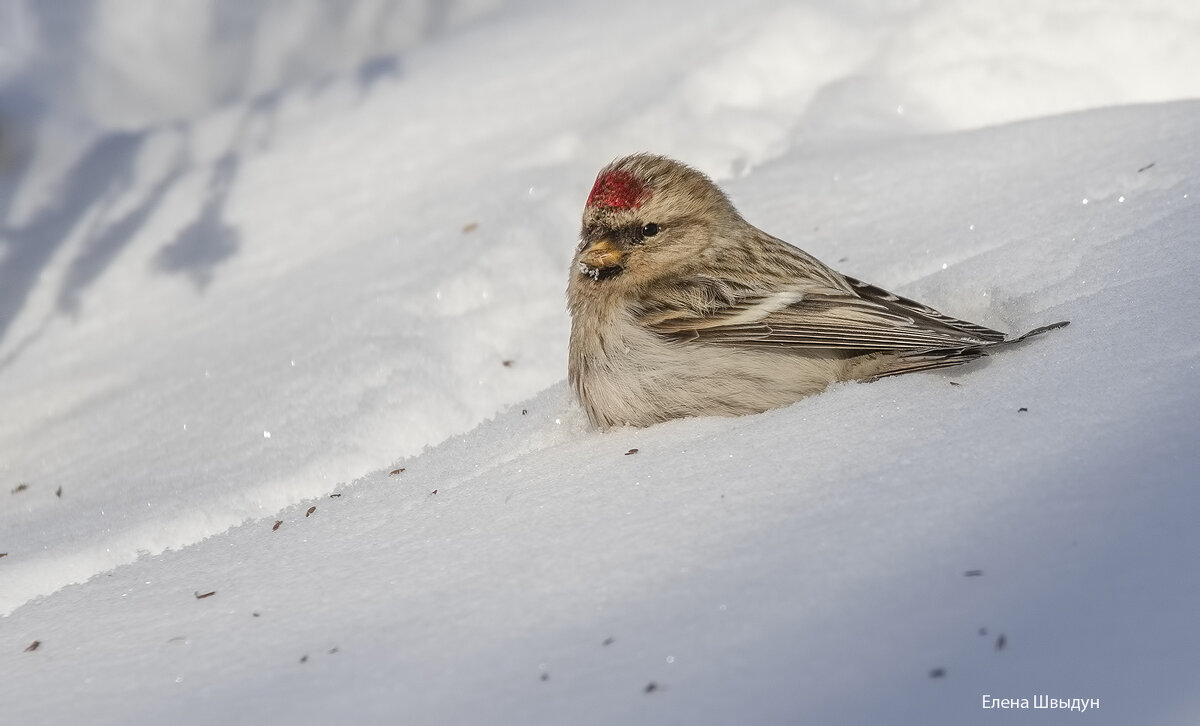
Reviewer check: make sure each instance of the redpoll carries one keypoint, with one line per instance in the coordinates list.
(679, 307)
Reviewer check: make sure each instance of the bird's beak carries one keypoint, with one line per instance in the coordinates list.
(602, 254)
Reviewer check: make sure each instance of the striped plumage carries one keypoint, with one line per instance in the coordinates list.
(679, 307)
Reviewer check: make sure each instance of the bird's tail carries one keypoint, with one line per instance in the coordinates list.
(927, 360)
(1037, 331)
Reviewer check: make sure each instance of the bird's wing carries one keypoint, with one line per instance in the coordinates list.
(863, 318)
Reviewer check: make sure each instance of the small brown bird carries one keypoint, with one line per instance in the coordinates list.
(679, 307)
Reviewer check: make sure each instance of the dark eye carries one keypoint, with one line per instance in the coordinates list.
(650, 230)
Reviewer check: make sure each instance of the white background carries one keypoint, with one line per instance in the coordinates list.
(252, 255)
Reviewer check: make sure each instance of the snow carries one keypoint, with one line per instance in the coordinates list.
(252, 263)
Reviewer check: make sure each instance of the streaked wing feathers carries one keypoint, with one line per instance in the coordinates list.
(869, 319)
(871, 292)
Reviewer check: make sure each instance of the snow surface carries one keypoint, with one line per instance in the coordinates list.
(252, 262)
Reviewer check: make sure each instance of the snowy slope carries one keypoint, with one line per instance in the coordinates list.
(220, 316)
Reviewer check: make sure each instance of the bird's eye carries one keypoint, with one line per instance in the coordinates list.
(650, 230)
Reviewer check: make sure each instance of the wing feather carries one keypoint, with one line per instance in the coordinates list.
(861, 317)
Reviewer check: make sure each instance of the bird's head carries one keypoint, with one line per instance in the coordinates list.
(648, 217)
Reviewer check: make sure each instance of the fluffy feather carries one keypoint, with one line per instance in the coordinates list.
(679, 307)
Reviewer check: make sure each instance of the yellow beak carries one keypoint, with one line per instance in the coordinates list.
(602, 254)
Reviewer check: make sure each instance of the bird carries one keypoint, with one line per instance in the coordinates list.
(680, 307)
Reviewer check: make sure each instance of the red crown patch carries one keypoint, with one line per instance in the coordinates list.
(618, 190)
